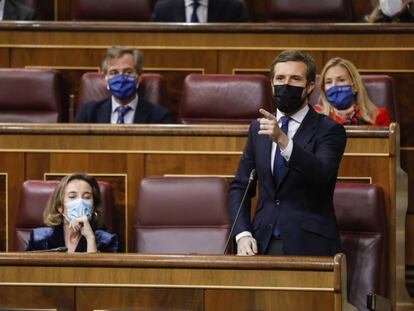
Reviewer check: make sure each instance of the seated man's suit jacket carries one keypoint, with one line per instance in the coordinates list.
(219, 11)
(13, 10)
(46, 238)
(100, 112)
(301, 202)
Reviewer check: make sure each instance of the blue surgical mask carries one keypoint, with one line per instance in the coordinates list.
(77, 208)
(122, 86)
(340, 96)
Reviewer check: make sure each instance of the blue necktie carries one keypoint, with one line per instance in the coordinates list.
(122, 110)
(194, 17)
(279, 161)
(279, 164)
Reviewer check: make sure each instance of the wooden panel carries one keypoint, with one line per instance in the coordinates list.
(34, 298)
(11, 164)
(266, 300)
(4, 58)
(3, 210)
(138, 299)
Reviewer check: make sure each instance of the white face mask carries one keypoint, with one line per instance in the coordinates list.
(391, 7)
(77, 208)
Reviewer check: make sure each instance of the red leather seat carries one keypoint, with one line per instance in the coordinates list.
(221, 98)
(31, 95)
(33, 199)
(111, 10)
(309, 11)
(380, 90)
(181, 215)
(360, 213)
(153, 88)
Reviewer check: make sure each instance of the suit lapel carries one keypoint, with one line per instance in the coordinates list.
(302, 136)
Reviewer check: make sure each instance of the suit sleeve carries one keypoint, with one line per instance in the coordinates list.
(240, 14)
(238, 187)
(320, 165)
(82, 114)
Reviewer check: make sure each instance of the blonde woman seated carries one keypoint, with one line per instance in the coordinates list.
(344, 97)
(73, 215)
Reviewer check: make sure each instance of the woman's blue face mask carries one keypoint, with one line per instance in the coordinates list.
(340, 96)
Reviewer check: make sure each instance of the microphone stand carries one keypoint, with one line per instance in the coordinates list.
(252, 178)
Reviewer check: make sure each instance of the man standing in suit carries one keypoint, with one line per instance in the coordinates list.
(296, 154)
(14, 10)
(199, 11)
(122, 68)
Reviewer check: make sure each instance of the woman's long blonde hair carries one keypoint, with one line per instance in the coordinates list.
(366, 108)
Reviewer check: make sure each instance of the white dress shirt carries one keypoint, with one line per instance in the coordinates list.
(201, 10)
(2, 2)
(129, 116)
(293, 126)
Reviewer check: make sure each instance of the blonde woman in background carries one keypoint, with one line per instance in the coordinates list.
(344, 97)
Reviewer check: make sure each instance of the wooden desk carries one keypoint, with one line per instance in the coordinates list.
(123, 155)
(168, 282)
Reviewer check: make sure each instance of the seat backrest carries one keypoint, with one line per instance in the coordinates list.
(315, 10)
(360, 214)
(33, 199)
(30, 95)
(111, 10)
(181, 215)
(152, 88)
(380, 90)
(223, 98)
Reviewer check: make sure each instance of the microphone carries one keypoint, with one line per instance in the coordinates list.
(61, 249)
(252, 179)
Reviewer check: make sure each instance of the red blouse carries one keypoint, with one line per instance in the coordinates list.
(382, 119)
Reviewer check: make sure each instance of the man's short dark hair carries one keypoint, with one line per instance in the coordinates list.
(296, 56)
(116, 51)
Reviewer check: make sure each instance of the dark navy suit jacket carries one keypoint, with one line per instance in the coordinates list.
(100, 112)
(52, 237)
(301, 202)
(13, 10)
(219, 11)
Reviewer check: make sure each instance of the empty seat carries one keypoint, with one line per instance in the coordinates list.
(309, 11)
(153, 88)
(31, 95)
(33, 199)
(111, 10)
(222, 98)
(181, 215)
(360, 213)
(380, 90)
